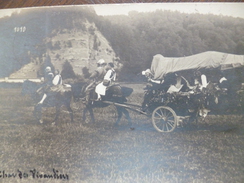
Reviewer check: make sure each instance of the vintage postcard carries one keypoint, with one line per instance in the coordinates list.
(122, 93)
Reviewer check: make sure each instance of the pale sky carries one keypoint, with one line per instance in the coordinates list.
(226, 9)
(7, 12)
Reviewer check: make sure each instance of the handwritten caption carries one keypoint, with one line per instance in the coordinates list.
(55, 174)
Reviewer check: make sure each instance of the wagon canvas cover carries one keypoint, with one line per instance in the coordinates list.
(211, 59)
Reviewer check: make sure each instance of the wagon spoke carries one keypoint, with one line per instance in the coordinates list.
(165, 113)
(172, 120)
(160, 124)
(163, 127)
(169, 114)
(158, 114)
(170, 124)
(158, 118)
(162, 113)
(167, 127)
(158, 121)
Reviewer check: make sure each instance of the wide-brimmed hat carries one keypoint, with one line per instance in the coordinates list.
(101, 62)
(48, 69)
(146, 71)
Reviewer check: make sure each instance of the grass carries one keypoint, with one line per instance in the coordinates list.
(209, 152)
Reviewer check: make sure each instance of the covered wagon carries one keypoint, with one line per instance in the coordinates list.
(193, 86)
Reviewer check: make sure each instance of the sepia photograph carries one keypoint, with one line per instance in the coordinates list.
(122, 93)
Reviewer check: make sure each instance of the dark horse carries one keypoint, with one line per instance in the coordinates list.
(58, 99)
(114, 94)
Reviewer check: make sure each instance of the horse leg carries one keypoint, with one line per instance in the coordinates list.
(84, 114)
(70, 112)
(88, 108)
(91, 114)
(119, 111)
(57, 114)
(38, 112)
(127, 116)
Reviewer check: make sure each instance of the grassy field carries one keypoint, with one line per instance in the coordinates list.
(102, 152)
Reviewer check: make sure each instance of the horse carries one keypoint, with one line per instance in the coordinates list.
(114, 94)
(61, 97)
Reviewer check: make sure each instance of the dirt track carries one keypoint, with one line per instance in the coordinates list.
(101, 152)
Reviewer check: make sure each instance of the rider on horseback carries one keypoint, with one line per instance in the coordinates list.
(95, 78)
(48, 82)
(57, 80)
(109, 77)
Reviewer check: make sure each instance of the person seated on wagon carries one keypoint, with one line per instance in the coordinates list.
(223, 82)
(177, 86)
(155, 84)
(150, 76)
(166, 84)
(109, 77)
(200, 80)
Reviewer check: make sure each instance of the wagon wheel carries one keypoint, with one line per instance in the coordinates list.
(164, 119)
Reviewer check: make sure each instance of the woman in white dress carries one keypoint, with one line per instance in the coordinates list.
(109, 77)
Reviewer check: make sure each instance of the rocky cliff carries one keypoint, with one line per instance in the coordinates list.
(80, 48)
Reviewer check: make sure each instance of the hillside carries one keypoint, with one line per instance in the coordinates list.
(79, 48)
(27, 71)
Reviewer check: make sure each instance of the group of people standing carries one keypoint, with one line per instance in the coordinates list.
(99, 80)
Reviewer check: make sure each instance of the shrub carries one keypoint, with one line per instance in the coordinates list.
(67, 71)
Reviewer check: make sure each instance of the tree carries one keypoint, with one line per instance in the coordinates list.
(86, 72)
(67, 71)
(240, 47)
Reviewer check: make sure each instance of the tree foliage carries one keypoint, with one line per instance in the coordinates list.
(136, 38)
(86, 73)
(67, 71)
